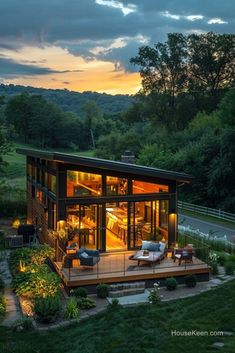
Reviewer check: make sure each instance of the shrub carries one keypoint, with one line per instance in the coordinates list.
(41, 253)
(114, 305)
(24, 324)
(229, 268)
(221, 258)
(85, 303)
(2, 305)
(45, 284)
(36, 284)
(190, 281)
(102, 290)
(214, 268)
(79, 292)
(154, 295)
(72, 311)
(27, 257)
(47, 309)
(22, 284)
(171, 283)
(18, 256)
(231, 258)
(2, 284)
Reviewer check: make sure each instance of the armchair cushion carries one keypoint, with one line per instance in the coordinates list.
(84, 255)
(154, 247)
(92, 252)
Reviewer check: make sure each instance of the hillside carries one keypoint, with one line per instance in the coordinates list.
(73, 101)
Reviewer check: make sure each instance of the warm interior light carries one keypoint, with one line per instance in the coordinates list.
(90, 189)
(16, 223)
(61, 225)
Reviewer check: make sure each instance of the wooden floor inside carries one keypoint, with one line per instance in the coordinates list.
(117, 267)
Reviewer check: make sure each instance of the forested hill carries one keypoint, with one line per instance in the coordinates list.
(73, 101)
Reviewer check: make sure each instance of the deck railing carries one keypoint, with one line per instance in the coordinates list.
(122, 265)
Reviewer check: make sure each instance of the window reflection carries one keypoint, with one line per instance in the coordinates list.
(141, 187)
(83, 184)
(116, 186)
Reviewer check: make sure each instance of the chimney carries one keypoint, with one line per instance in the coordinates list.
(128, 157)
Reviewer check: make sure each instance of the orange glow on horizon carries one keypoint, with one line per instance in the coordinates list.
(74, 72)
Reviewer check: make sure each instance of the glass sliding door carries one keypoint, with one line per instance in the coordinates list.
(116, 226)
(83, 223)
(148, 221)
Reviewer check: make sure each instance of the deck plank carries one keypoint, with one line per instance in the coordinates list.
(117, 267)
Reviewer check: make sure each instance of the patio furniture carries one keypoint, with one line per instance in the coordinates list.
(155, 253)
(88, 257)
(185, 254)
(28, 233)
(14, 241)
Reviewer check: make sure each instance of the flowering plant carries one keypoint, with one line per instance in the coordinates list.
(154, 295)
(213, 257)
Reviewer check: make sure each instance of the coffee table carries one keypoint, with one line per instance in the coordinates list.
(152, 257)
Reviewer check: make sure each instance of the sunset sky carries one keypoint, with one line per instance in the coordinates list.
(86, 45)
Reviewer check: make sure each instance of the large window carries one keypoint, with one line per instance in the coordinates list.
(116, 226)
(116, 186)
(141, 187)
(84, 225)
(83, 184)
(149, 221)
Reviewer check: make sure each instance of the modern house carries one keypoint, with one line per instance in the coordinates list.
(104, 205)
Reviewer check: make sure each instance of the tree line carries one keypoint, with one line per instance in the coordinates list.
(183, 118)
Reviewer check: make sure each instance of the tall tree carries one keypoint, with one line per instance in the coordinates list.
(211, 61)
(18, 113)
(163, 71)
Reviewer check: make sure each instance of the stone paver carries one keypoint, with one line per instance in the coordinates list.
(218, 345)
(132, 299)
(12, 305)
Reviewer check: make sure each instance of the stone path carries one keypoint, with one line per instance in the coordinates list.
(132, 299)
(12, 305)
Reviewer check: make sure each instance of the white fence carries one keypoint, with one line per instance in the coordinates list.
(206, 211)
(195, 233)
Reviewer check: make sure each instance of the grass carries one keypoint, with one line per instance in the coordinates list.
(209, 219)
(16, 168)
(139, 329)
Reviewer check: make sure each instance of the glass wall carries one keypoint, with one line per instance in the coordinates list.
(116, 186)
(116, 226)
(141, 187)
(84, 227)
(148, 221)
(83, 184)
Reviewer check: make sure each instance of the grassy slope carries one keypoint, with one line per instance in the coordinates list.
(15, 170)
(139, 329)
(209, 219)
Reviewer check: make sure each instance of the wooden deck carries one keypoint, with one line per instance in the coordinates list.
(117, 267)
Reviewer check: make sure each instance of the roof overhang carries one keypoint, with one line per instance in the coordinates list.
(107, 165)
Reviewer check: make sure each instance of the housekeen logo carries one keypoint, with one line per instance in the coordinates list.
(196, 333)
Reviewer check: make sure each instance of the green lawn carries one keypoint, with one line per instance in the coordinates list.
(139, 329)
(206, 218)
(15, 170)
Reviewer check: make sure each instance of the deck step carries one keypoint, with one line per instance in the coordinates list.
(123, 289)
(125, 292)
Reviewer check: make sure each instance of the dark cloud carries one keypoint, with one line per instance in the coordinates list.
(12, 69)
(82, 25)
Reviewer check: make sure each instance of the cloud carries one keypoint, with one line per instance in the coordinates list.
(110, 31)
(216, 20)
(126, 10)
(12, 69)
